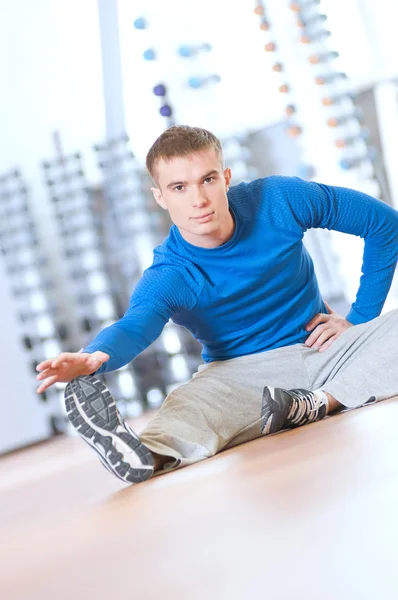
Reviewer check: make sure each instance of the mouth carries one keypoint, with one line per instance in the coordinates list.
(203, 216)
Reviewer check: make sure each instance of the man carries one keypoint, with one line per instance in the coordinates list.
(235, 273)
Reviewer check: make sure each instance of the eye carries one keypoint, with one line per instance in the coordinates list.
(209, 179)
(178, 188)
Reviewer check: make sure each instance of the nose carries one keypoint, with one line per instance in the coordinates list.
(198, 198)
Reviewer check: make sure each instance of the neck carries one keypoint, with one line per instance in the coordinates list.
(214, 239)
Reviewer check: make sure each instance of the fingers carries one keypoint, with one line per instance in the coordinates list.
(323, 337)
(47, 373)
(319, 318)
(65, 357)
(45, 364)
(97, 358)
(326, 345)
(43, 374)
(61, 367)
(46, 384)
(318, 331)
(53, 362)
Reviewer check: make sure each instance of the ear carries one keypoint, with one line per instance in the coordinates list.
(227, 177)
(157, 194)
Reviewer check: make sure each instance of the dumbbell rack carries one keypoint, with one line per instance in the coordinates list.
(87, 260)
(28, 324)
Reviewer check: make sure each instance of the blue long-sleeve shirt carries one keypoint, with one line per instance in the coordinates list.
(257, 291)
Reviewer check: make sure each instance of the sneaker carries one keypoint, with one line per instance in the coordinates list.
(289, 408)
(93, 413)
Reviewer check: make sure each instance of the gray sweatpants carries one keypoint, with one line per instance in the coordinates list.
(221, 406)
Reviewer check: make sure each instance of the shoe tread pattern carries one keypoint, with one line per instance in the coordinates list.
(99, 407)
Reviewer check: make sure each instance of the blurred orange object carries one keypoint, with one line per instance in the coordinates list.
(317, 37)
(341, 143)
(315, 59)
(299, 6)
(321, 80)
(294, 130)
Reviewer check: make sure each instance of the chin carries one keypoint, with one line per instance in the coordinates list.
(205, 228)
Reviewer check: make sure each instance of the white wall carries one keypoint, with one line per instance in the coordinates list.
(380, 23)
(50, 63)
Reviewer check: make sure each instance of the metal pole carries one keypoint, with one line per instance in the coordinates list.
(111, 69)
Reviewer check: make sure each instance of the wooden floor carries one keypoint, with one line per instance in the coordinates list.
(306, 514)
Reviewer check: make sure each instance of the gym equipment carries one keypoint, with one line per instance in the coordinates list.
(293, 128)
(29, 307)
(165, 109)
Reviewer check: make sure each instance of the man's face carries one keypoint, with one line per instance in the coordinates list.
(194, 191)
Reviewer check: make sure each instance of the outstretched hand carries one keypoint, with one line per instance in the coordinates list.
(67, 366)
(326, 329)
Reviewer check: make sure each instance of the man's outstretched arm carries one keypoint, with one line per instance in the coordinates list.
(155, 299)
(134, 332)
(112, 348)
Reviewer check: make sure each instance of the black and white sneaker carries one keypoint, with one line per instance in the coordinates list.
(290, 408)
(93, 413)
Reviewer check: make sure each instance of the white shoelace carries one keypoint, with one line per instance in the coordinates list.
(305, 408)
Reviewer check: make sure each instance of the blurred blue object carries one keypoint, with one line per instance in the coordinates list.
(140, 23)
(305, 171)
(351, 163)
(149, 54)
(299, 5)
(195, 82)
(159, 90)
(166, 111)
(352, 139)
(188, 51)
(330, 77)
(185, 51)
(312, 20)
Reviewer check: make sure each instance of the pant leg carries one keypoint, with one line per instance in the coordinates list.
(221, 406)
(360, 364)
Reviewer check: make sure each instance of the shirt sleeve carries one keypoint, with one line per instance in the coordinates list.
(160, 292)
(350, 211)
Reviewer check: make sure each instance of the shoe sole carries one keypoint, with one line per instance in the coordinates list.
(93, 413)
(273, 415)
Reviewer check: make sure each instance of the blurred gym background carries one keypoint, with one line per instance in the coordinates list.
(306, 88)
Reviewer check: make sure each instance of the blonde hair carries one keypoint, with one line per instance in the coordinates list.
(180, 140)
